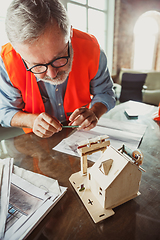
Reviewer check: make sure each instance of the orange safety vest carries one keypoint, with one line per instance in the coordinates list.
(84, 68)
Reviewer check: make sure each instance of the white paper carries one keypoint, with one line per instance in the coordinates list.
(29, 201)
(119, 133)
(139, 108)
(6, 170)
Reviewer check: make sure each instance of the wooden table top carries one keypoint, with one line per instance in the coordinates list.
(137, 219)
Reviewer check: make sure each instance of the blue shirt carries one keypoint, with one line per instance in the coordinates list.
(101, 87)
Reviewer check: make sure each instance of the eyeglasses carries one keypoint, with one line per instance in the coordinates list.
(57, 63)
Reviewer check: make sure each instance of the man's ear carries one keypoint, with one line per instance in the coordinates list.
(71, 32)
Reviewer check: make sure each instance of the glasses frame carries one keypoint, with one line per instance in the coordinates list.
(47, 64)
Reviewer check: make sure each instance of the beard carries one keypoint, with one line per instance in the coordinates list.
(61, 75)
(59, 79)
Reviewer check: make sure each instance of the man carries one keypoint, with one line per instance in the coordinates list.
(49, 71)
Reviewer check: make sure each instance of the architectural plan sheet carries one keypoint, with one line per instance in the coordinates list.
(129, 134)
(31, 196)
(5, 183)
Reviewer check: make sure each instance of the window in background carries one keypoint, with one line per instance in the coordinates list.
(3, 9)
(97, 18)
(93, 16)
(75, 13)
(145, 43)
(89, 16)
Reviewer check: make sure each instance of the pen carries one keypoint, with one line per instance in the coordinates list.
(70, 126)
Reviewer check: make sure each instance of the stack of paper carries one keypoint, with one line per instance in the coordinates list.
(26, 197)
(5, 182)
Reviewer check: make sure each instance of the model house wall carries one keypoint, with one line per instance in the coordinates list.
(120, 184)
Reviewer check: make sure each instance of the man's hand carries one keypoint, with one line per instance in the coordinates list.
(87, 118)
(83, 117)
(45, 126)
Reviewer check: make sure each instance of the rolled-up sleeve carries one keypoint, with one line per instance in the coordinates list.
(101, 86)
(10, 98)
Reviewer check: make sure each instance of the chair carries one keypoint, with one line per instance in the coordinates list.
(151, 94)
(131, 86)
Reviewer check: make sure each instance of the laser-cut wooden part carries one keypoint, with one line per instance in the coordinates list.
(113, 180)
(89, 146)
(106, 166)
(96, 211)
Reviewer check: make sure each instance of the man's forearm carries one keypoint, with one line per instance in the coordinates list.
(99, 109)
(22, 119)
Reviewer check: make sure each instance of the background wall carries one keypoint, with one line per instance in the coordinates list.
(127, 13)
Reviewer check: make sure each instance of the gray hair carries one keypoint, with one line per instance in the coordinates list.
(26, 20)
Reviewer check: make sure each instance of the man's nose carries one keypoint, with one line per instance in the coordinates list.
(52, 72)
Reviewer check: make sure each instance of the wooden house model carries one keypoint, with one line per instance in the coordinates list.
(112, 180)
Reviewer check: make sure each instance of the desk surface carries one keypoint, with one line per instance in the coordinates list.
(137, 219)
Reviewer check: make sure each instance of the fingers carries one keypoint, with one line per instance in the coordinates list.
(76, 114)
(45, 126)
(83, 117)
(88, 124)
